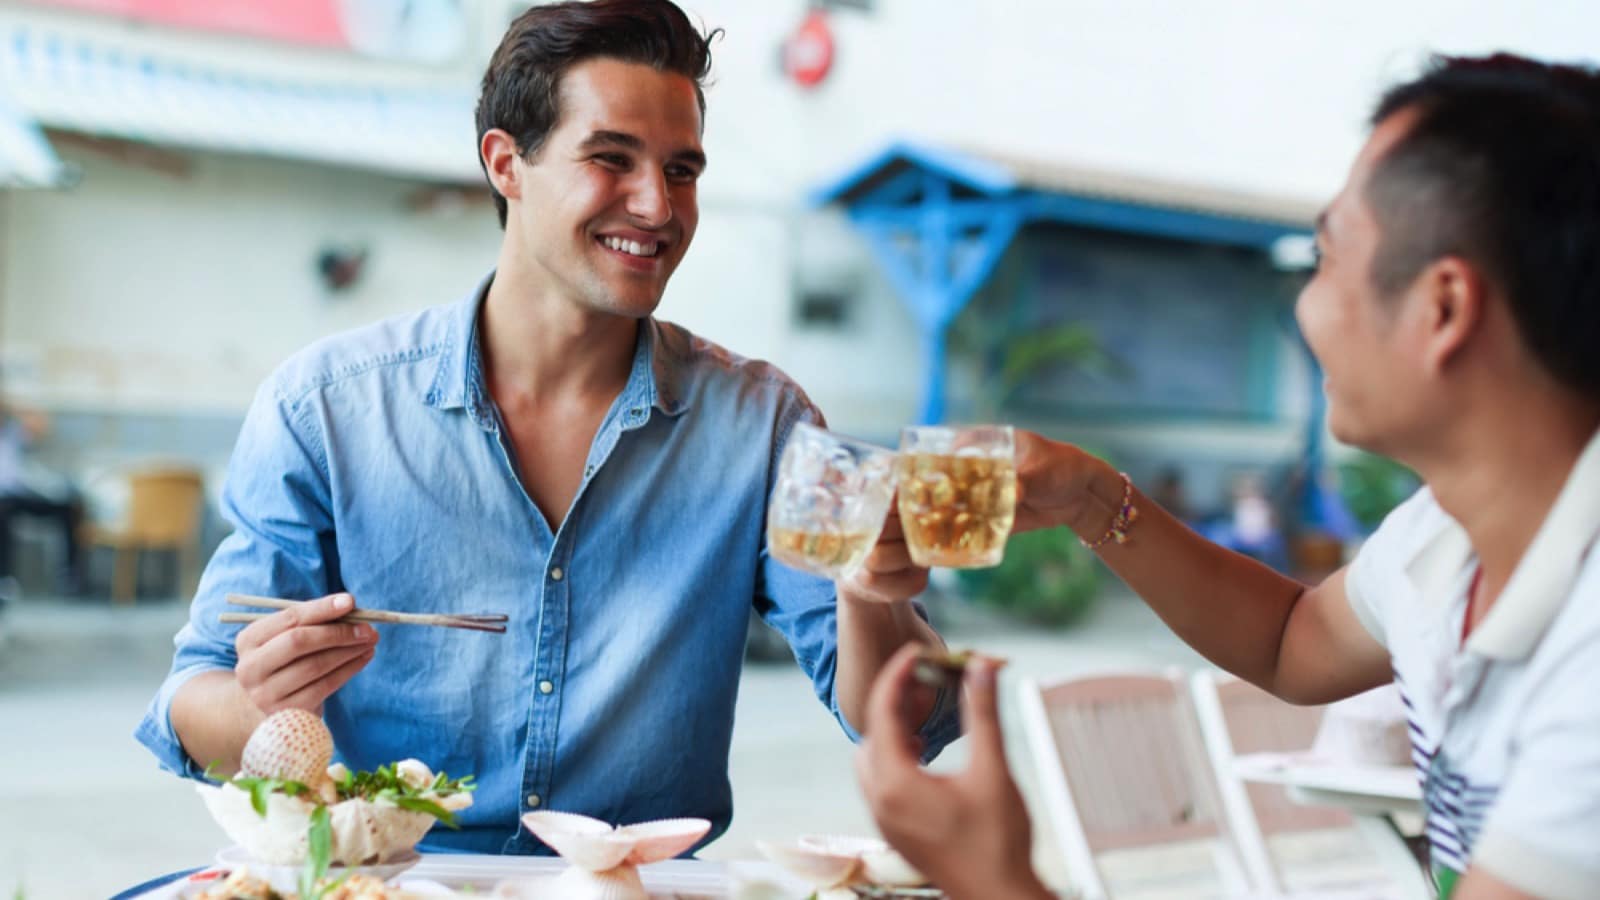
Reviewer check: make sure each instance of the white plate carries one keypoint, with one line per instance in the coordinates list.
(287, 878)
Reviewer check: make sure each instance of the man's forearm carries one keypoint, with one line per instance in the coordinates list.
(870, 632)
(213, 719)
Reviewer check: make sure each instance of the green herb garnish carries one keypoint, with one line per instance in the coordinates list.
(319, 852)
(382, 786)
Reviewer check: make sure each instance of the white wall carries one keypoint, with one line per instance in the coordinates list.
(135, 291)
(141, 292)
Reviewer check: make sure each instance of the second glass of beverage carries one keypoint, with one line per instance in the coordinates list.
(958, 493)
(830, 502)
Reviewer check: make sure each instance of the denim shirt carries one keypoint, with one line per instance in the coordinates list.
(375, 462)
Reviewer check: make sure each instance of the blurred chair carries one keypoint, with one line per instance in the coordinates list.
(164, 513)
(1287, 846)
(1121, 771)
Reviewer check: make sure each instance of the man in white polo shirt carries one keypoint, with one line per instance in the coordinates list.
(1456, 314)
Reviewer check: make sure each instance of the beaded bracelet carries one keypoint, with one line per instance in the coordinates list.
(1126, 515)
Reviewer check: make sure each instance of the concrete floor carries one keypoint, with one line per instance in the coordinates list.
(89, 813)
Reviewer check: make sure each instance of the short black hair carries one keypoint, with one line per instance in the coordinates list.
(1501, 167)
(521, 87)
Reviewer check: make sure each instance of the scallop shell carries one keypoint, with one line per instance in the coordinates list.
(815, 865)
(290, 744)
(888, 868)
(663, 838)
(414, 772)
(586, 843)
(621, 883)
(833, 860)
(363, 831)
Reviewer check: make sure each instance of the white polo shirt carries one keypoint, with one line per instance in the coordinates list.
(1505, 732)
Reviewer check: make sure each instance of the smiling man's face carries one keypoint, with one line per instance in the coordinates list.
(608, 205)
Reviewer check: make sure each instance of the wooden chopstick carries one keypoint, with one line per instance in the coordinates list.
(469, 621)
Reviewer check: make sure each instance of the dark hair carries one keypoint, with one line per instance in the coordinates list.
(521, 88)
(1502, 168)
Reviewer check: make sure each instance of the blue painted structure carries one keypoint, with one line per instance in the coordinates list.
(938, 223)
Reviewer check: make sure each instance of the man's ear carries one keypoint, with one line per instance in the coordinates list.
(1453, 295)
(500, 156)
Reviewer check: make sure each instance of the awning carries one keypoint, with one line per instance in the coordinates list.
(95, 85)
(26, 160)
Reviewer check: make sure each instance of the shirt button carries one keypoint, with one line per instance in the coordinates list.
(556, 573)
(588, 471)
(533, 801)
(546, 687)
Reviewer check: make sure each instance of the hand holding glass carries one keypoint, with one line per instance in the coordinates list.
(958, 494)
(830, 502)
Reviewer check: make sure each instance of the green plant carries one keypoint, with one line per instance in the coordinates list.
(1371, 486)
(1046, 577)
(1010, 357)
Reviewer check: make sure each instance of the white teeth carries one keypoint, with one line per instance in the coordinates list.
(632, 248)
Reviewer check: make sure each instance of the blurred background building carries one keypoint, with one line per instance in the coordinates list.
(1083, 217)
(195, 190)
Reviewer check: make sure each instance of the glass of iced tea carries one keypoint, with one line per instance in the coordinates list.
(830, 501)
(958, 493)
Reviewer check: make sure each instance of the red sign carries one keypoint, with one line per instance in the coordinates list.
(808, 54)
(312, 22)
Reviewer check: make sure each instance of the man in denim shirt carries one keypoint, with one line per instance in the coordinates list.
(544, 448)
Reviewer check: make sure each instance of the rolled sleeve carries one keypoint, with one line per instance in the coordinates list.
(155, 730)
(276, 499)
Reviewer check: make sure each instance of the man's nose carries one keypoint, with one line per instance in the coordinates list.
(648, 201)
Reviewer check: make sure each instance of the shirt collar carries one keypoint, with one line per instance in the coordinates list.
(658, 377)
(1539, 586)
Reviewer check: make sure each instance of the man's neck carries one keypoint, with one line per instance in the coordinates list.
(1499, 475)
(543, 347)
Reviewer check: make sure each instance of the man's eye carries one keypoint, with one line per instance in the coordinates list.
(683, 174)
(1316, 256)
(612, 159)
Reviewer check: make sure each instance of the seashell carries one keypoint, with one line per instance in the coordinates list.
(414, 772)
(662, 839)
(363, 832)
(586, 843)
(842, 844)
(888, 868)
(279, 838)
(621, 883)
(595, 846)
(815, 865)
(291, 744)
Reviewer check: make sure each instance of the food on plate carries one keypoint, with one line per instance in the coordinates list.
(242, 885)
(287, 781)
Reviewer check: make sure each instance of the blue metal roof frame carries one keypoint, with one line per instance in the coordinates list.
(864, 179)
(938, 221)
(881, 184)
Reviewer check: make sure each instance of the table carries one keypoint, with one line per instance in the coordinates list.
(681, 879)
(1375, 794)
(1368, 790)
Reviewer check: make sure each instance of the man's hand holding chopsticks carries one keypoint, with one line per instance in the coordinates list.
(297, 657)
